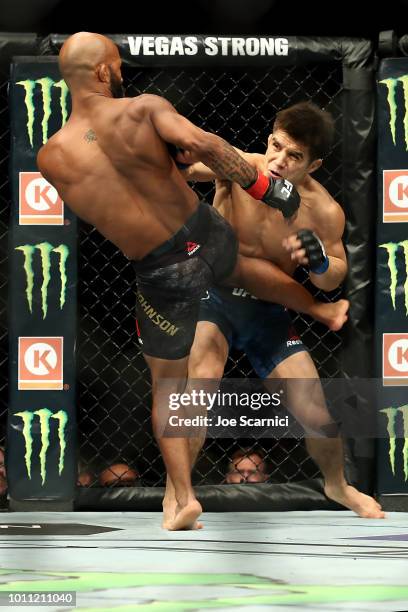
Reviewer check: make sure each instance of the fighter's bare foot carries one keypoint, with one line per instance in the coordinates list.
(363, 505)
(169, 512)
(186, 517)
(332, 314)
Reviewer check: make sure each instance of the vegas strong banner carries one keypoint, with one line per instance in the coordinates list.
(41, 434)
(392, 275)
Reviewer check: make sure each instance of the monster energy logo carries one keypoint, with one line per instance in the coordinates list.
(392, 416)
(392, 85)
(46, 86)
(45, 249)
(44, 415)
(393, 248)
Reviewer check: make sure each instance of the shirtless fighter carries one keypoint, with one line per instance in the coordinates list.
(111, 164)
(300, 140)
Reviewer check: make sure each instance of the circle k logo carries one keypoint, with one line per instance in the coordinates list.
(395, 196)
(40, 195)
(398, 355)
(40, 359)
(398, 191)
(40, 362)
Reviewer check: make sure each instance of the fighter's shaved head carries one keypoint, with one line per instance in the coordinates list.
(83, 52)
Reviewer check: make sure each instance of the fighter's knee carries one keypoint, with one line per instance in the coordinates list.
(206, 368)
(321, 426)
(236, 278)
(317, 420)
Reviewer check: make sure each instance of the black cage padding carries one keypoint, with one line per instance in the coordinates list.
(279, 497)
(352, 53)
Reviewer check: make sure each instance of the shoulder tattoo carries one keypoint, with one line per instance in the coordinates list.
(90, 136)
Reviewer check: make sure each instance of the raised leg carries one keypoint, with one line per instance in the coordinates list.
(266, 281)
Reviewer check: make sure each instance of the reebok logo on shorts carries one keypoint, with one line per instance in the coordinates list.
(139, 337)
(192, 247)
(293, 339)
(293, 342)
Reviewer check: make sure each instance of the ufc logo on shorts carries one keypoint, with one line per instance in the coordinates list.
(395, 196)
(40, 363)
(395, 359)
(39, 202)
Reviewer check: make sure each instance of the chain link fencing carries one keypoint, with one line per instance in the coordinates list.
(114, 388)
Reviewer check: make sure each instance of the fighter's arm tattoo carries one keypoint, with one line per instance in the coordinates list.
(229, 165)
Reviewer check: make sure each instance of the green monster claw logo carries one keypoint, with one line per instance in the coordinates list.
(393, 248)
(45, 249)
(392, 85)
(46, 85)
(392, 415)
(44, 416)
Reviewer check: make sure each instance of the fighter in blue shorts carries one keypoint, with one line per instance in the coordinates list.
(301, 138)
(263, 331)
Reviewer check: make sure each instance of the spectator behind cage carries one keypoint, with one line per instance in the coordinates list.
(119, 475)
(247, 465)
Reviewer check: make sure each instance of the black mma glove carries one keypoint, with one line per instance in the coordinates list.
(318, 260)
(280, 194)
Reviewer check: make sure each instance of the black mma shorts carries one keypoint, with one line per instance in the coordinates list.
(174, 277)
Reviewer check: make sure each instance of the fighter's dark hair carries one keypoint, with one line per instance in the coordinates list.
(309, 125)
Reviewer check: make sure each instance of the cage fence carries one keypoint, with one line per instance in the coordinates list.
(114, 388)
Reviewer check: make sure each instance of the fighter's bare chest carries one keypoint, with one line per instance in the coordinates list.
(261, 230)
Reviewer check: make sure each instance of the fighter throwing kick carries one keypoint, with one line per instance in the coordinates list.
(110, 163)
